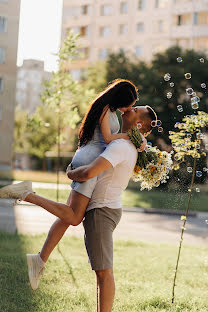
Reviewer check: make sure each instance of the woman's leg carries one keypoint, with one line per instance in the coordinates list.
(71, 214)
(55, 234)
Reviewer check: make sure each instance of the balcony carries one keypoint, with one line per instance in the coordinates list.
(188, 31)
(186, 6)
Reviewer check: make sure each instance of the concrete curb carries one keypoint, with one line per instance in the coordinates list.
(196, 214)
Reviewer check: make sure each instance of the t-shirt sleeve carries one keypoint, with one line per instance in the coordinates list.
(116, 152)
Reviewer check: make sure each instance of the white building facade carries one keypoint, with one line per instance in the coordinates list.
(9, 27)
(30, 84)
(140, 27)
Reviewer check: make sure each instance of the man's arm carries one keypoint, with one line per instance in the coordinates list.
(84, 173)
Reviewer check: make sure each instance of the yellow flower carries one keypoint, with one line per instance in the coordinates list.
(183, 218)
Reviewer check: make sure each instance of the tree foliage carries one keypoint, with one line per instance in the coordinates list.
(153, 89)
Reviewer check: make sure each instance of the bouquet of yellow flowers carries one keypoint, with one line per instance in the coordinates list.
(152, 166)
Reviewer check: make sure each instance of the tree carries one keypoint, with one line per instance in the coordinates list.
(65, 98)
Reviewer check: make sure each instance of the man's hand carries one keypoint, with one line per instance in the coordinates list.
(90, 171)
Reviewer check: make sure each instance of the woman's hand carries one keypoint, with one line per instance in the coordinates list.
(144, 143)
(69, 170)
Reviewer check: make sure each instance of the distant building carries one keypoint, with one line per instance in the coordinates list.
(141, 27)
(9, 27)
(29, 86)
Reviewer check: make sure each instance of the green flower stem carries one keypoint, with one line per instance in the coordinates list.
(183, 228)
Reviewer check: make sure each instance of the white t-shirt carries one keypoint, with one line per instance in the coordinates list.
(122, 154)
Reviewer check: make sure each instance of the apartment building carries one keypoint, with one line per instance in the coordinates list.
(30, 84)
(9, 26)
(139, 27)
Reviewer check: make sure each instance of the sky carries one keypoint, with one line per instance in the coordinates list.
(40, 31)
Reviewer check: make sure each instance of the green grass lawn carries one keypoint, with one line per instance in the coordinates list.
(143, 274)
(144, 199)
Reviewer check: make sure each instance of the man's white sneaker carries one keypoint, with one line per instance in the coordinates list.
(16, 191)
(35, 269)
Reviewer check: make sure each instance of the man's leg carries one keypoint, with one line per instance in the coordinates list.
(99, 224)
(106, 289)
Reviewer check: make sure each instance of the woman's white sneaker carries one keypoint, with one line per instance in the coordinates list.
(35, 269)
(16, 191)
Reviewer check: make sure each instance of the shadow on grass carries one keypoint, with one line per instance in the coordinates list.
(68, 265)
(15, 292)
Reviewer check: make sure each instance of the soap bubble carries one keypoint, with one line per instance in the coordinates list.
(172, 84)
(174, 145)
(195, 98)
(159, 122)
(194, 93)
(149, 144)
(205, 169)
(189, 91)
(201, 60)
(180, 108)
(203, 85)
(189, 169)
(154, 123)
(197, 189)
(198, 174)
(179, 59)
(167, 77)
(187, 75)
(169, 95)
(189, 136)
(160, 129)
(195, 105)
(197, 146)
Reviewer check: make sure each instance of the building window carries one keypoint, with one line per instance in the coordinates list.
(124, 7)
(103, 53)
(84, 31)
(158, 48)
(123, 29)
(141, 4)
(140, 27)
(179, 20)
(195, 18)
(2, 55)
(71, 11)
(105, 31)
(160, 26)
(138, 51)
(3, 24)
(1, 84)
(161, 4)
(76, 30)
(84, 9)
(106, 10)
(76, 73)
(184, 19)
(84, 52)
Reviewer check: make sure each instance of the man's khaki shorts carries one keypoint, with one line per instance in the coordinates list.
(99, 224)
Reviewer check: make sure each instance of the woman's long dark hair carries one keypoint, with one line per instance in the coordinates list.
(120, 93)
